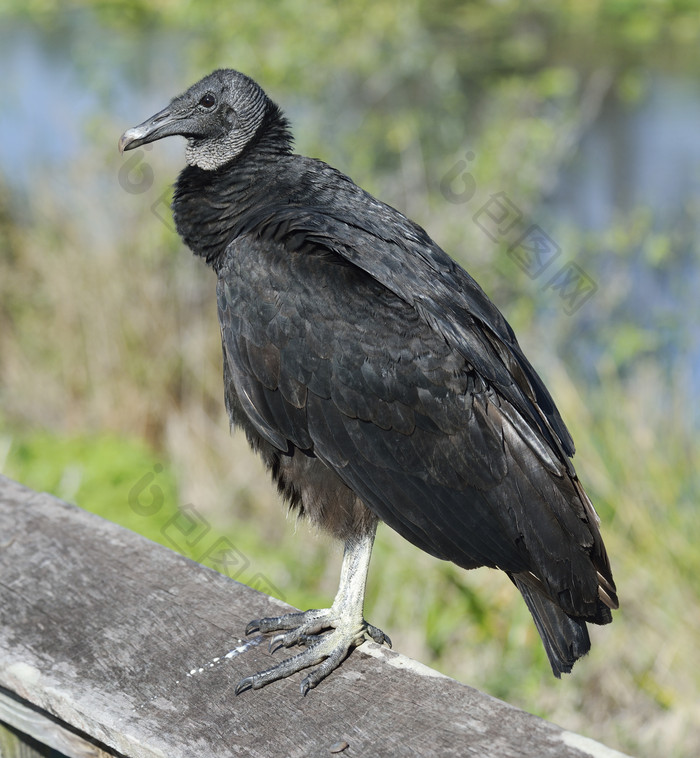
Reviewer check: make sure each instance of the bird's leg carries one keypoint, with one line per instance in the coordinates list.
(344, 618)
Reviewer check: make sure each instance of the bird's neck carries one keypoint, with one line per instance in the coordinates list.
(211, 207)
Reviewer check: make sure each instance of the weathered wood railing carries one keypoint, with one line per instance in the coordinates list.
(100, 630)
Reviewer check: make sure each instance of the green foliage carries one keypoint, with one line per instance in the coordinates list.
(96, 472)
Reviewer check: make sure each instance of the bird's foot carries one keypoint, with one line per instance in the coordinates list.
(328, 649)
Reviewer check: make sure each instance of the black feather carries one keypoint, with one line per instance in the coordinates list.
(371, 372)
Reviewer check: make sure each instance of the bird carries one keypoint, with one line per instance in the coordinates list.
(377, 382)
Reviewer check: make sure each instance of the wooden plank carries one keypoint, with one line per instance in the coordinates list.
(41, 728)
(14, 744)
(100, 629)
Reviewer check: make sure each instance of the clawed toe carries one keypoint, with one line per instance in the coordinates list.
(290, 639)
(289, 621)
(276, 643)
(378, 636)
(327, 635)
(308, 657)
(324, 649)
(244, 684)
(253, 626)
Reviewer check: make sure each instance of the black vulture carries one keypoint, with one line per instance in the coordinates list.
(376, 380)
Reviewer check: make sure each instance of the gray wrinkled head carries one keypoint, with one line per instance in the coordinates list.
(218, 115)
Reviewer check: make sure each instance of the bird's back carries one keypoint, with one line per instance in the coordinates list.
(437, 435)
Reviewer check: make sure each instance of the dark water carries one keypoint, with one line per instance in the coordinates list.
(646, 156)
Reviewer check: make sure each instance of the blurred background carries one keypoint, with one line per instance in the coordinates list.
(551, 147)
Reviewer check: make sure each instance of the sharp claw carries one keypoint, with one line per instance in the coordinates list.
(276, 643)
(378, 635)
(243, 685)
(327, 637)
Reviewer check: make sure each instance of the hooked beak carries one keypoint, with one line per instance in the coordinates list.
(163, 124)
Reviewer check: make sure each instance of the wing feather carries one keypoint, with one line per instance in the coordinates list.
(325, 358)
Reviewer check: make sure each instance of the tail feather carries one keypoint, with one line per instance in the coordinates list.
(565, 639)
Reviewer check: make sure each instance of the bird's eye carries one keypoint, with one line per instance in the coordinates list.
(208, 101)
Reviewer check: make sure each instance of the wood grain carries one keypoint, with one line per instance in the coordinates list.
(100, 629)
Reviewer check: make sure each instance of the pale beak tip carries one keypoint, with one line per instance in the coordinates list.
(124, 141)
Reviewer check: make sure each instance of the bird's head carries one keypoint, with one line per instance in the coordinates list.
(219, 116)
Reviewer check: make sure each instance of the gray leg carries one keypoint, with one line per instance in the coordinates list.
(345, 619)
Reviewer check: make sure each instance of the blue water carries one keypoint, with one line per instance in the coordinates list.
(646, 156)
(64, 82)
